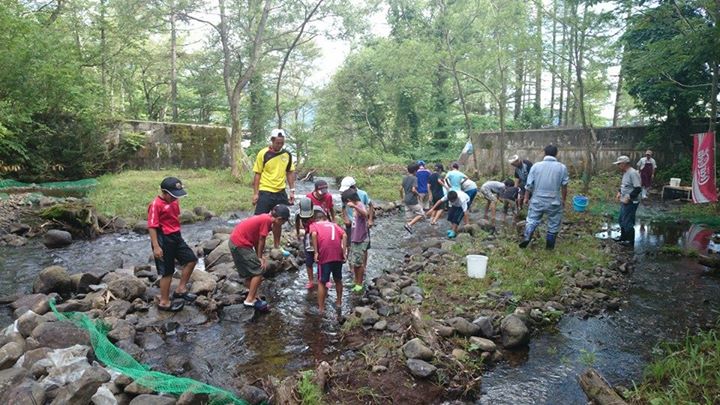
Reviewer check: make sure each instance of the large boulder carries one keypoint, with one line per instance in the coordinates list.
(81, 282)
(486, 326)
(53, 279)
(28, 322)
(514, 332)
(56, 238)
(58, 335)
(26, 392)
(127, 288)
(10, 378)
(202, 282)
(416, 349)
(10, 353)
(37, 303)
(219, 255)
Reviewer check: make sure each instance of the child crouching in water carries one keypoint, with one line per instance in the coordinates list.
(329, 242)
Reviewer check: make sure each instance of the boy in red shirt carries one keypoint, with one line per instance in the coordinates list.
(168, 245)
(329, 242)
(322, 198)
(247, 243)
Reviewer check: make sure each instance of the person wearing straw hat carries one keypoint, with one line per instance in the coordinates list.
(647, 167)
(522, 169)
(547, 184)
(630, 189)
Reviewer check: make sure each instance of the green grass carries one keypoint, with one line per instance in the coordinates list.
(380, 187)
(128, 194)
(687, 372)
(310, 393)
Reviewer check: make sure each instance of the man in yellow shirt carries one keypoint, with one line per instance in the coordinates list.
(273, 168)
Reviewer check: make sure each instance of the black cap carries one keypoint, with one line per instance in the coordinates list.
(173, 186)
(281, 211)
(320, 183)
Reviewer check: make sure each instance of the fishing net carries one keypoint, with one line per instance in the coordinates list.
(122, 362)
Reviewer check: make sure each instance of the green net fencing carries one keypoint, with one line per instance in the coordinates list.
(122, 362)
(54, 185)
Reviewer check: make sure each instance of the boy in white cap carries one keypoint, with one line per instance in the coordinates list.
(630, 189)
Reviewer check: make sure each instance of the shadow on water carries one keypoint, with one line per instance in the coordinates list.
(666, 298)
(289, 338)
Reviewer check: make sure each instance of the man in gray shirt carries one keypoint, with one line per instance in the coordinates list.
(408, 192)
(630, 189)
(547, 183)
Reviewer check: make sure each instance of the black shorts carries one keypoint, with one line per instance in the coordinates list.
(174, 249)
(455, 215)
(267, 201)
(334, 268)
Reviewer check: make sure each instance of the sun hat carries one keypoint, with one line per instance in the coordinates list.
(173, 186)
(622, 159)
(513, 159)
(306, 208)
(346, 183)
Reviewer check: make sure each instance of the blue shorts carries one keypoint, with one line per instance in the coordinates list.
(471, 193)
(334, 268)
(455, 215)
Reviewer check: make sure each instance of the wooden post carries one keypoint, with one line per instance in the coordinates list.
(598, 390)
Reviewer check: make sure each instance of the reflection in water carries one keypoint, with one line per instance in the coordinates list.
(665, 298)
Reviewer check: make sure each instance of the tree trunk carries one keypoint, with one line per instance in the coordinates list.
(539, 56)
(569, 82)
(173, 64)
(616, 110)
(554, 59)
(519, 76)
(598, 390)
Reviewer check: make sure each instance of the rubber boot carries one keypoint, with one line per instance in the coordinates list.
(528, 237)
(550, 241)
(630, 237)
(621, 237)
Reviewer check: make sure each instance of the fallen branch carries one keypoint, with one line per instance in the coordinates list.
(598, 390)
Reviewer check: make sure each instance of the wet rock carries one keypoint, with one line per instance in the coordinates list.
(486, 326)
(202, 282)
(380, 325)
(118, 309)
(151, 341)
(463, 326)
(253, 395)
(459, 354)
(53, 279)
(26, 392)
(58, 335)
(33, 356)
(369, 317)
(75, 305)
(13, 240)
(220, 255)
(191, 398)
(80, 391)
(104, 395)
(130, 348)
(127, 288)
(10, 353)
(81, 282)
(122, 330)
(237, 313)
(56, 238)
(189, 316)
(514, 332)
(137, 389)
(420, 368)
(27, 322)
(486, 345)
(19, 228)
(416, 349)
(140, 227)
(147, 399)
(10, 378)
(209, 245)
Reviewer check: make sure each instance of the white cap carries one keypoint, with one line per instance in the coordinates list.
(513, 159)
(622, 159)
(277, 132)
(346, 183)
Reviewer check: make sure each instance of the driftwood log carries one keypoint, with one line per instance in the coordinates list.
(598, 390)
(710, 260)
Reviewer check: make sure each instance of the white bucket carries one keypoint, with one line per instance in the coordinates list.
(674, 182)
(477, 266)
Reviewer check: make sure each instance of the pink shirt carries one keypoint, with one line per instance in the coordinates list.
(329, 241)
(164, 215)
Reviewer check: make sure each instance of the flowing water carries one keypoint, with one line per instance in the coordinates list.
(666, 297)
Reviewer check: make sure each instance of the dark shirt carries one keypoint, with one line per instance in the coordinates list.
(409, 182)
(435, 188)
(522, 172)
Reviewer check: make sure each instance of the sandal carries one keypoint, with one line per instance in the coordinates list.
(187, 296)
(174, 306)
(258, 305)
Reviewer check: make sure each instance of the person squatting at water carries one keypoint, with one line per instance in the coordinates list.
(630, 189)
(247, 242)
(273, 168)
(547, 192)
(329, 245)
(305, 217)
(458, 204)
(168, 244)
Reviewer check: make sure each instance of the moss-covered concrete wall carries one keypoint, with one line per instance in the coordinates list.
(177, 145)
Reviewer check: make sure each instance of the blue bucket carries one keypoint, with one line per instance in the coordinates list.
(580, 202)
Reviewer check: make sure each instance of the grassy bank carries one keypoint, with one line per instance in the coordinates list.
(684, 372)
(128, 194)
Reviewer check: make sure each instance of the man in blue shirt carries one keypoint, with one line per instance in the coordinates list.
(547, 183)
(454, 178)
(423, 178)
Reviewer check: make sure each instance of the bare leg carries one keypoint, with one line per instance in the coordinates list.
(310, 274)
(338, 292)
(165, 290)
(185, 277)
(322, 293)
(417, 219)
(253, 286)
(359, 274)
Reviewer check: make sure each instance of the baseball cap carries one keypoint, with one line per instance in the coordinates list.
(421, 163)
(306, 208)
(622, 159)
(513, 159)
(281, 211)
(317, 208)
(346, 183)
(173, 186)
(320, 183)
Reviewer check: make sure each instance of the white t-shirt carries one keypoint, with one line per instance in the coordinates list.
(461, 202)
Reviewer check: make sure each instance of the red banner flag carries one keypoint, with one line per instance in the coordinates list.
(703, 185)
